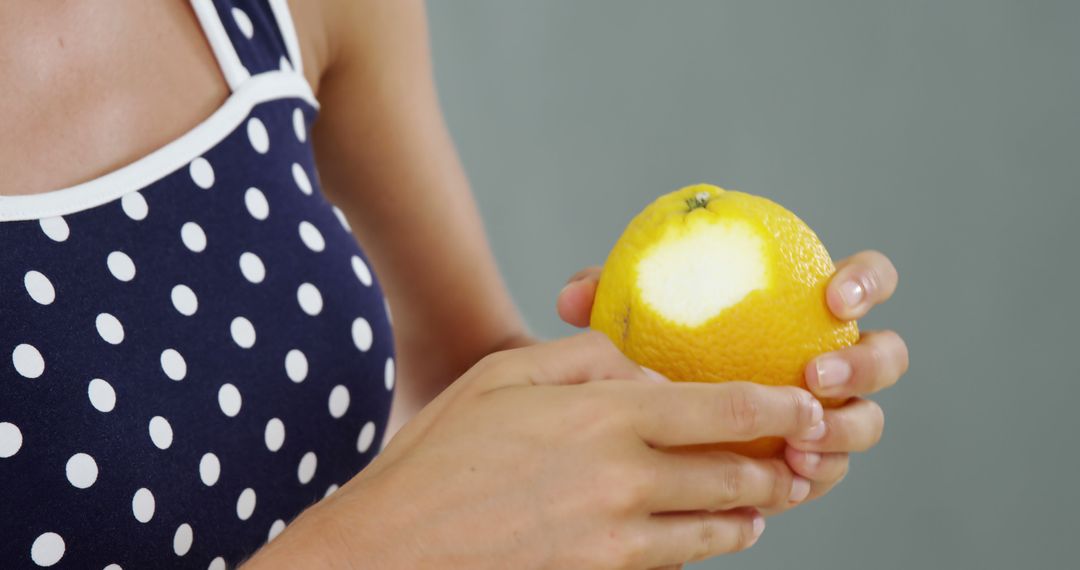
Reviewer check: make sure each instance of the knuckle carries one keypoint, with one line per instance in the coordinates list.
(640, 486)
(597, 340)
(731, 485)
(804, 407)
(707, 538)
(622, 494)
(621, 551)
(591, 415)
(495, 360)
(743, 411)
(779, 484)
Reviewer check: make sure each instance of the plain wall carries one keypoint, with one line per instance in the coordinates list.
(945, 133)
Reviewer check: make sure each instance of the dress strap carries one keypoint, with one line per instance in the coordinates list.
(250, 37)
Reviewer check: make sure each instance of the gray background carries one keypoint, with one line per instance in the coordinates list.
(945, 133)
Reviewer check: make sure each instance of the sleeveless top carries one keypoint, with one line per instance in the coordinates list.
(193, 348)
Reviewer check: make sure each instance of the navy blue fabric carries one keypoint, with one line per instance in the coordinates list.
(64, 410)
(265, 49)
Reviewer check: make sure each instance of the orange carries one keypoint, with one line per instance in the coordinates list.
(708, 285)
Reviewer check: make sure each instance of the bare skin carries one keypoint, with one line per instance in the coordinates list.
(80, 102)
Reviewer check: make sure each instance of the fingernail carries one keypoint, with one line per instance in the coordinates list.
(759, 525)
(654, 375)
(832, 371)
(811, 459)
(815, 433)
(852, 293)
(800, 489)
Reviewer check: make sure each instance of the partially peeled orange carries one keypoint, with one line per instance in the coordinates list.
(710, 285)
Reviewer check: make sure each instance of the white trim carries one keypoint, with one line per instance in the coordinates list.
(164, 161)
(231, 67)
(280, 8)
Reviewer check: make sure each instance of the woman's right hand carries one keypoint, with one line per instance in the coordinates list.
(549, 457)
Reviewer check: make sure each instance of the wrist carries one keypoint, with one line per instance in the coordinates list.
(330, 535)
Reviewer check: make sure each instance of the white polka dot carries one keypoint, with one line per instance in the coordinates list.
(113, 567)
(173, 364)
(256, 203)
(388, 374)
(312, 237)
(330, 490)
(10, 439)
(134, 205)
(243, 22)
(183, 298)
(47, 549)
(275, 530)
(217, 564)
(306, 470)
(361, 334)
(101, 394)
(142, 505)
(161, 432)
(181, 542)
(284, 65)
(274, 434)
(301, 178)
(252, 267)
(229, 400)
(299, 125)
(367, 436)
(209, 469)
(81, 470)
(257, 135)
(121, 266)
(341, 218)
(109, 328)
(361, 270)
(296, 365)
(39, 287)
(28, 361)
(202, 173)
(309, 298)
(243, 332)
(339, 401)
(245, 505)
(193, 236)
(55, 228)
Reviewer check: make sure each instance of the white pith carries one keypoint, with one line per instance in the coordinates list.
(695, 273)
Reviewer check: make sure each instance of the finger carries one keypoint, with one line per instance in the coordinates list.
(823, 470)
(687, 537)
(572, 360)
(875, 363)
(861, 281)
(855, 426)
(722, 481)
(691, 413)
(574, 303)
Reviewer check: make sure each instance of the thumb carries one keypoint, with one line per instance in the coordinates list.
(574, 303)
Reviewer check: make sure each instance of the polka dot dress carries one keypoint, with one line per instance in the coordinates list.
(194, 349)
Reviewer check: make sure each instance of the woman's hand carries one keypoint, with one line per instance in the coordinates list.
(546, 457)
(876, 362)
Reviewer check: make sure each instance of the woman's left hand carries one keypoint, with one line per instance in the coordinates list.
(876, 362)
